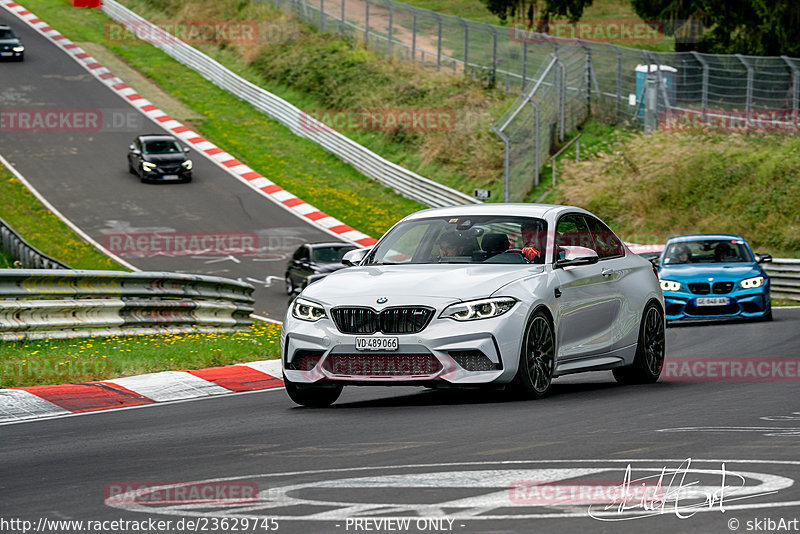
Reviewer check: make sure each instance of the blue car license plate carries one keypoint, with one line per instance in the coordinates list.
(712, 301)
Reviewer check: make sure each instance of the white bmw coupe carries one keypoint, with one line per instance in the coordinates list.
(496, 295)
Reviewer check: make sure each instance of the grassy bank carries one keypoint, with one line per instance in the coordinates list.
(43, 230)
(32, 363)
(652, 187)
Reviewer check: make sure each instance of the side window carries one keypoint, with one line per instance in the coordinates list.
(138, 144)
(301, 253)
(607, 244)
(572, 231)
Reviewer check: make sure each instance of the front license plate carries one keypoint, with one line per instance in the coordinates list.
(171, 177)
(712, 301)
(6, 53)
(376, 343)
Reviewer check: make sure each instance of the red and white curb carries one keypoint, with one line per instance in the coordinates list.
(222, 159)
(37, 402)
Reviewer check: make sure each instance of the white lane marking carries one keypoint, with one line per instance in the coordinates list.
(170, 385)
(20, 404)
(771, 430)
(270, 367)
(277, 497)
(265, 319)
(795, 416)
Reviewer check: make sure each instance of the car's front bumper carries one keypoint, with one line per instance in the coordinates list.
(429, 357)
(744, 303)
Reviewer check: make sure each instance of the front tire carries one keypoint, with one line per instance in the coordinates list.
(288, 284)
(537, 360)
(312, 396)
(650, 349)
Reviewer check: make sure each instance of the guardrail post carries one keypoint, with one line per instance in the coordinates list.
(749, 97)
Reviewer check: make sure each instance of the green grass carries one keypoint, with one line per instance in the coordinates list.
(6, 261)
(43, 230)
(32, 363)
(271, 149)
(652, 187)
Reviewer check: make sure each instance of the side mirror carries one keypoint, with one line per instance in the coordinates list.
(569, 255)
(763, 258)
(186, 149)
(655, 261)
(354, 257)
(132, 147)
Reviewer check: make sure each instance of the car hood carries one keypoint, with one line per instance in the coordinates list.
(165, 158)
(408, 284)
(328, 267)
(717, 271)
(9, 41)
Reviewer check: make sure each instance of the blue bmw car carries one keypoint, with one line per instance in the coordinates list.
(713, 276)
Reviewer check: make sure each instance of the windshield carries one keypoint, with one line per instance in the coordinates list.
(7, 34)
(707, 251)
(465, 239)
(161, 147)
(329, 254)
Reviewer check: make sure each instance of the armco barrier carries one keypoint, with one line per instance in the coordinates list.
(405, 182)
(784, 275)
(24, 252)
(36, 304)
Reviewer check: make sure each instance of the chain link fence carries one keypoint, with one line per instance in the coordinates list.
(563, 81)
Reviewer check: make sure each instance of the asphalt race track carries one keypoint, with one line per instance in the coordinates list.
(442, 455)
(84, 175)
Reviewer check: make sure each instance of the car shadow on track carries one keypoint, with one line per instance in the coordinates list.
(561, 391)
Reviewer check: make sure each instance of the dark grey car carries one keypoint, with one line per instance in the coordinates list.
(159, 158)
(313, 261)
(10, 46)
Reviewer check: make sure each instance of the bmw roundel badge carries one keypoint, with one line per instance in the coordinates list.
(381, 300)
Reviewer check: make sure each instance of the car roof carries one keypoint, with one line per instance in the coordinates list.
(157, 137)
(335, 244)
(695, 237)
(519, 210)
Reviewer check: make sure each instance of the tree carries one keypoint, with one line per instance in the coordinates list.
(536, 12)
(754, 27)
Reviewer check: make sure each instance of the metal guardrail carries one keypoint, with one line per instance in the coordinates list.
(22, 251)
(784, 275)
(36, 304)
(405, 182)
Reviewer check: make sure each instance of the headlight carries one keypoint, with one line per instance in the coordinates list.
(147, 166)
(18, 49)
(751, 283)
(479, 309)
(187, 165)
(307, 311)
(669, 285)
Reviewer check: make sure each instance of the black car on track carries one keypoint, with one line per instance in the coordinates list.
(10, 45)
(312, 262)
(159, 158)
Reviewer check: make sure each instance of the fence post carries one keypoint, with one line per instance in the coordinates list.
(795, 90)
(341, 21)
(505, 140)
(619, 81)
(749, 102)
(438, 42)
(466, 43)
(322, 15)
(390, 46)
(494, 51)
(535, 142)
(366, 23)
(704, 92)
(559, 85)
(413, 33)
(524, 64)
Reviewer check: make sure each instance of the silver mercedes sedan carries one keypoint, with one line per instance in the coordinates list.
(493, 295)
